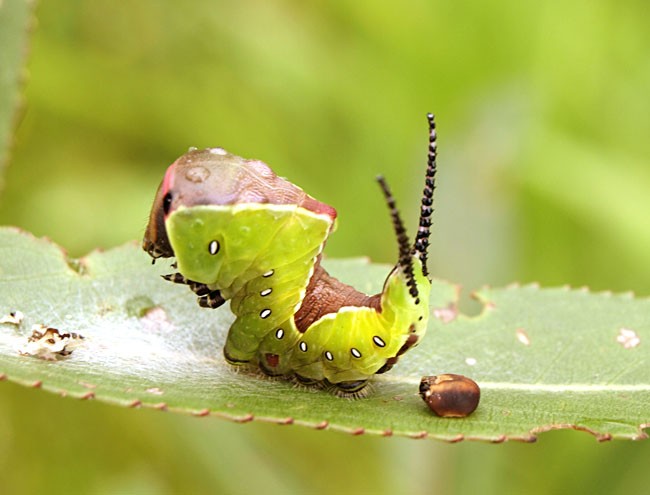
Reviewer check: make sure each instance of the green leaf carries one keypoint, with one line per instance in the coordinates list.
(544, 358)
(15, 20)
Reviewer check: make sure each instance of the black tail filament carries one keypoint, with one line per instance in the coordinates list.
(405, 260)
(421, 245)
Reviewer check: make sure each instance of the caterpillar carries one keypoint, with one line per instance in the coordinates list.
(242, 234)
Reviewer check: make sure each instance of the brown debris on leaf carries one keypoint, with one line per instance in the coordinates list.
(49, 343)
(449, 395)
(13, 318)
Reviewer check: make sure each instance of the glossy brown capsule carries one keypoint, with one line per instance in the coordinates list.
(449, 395)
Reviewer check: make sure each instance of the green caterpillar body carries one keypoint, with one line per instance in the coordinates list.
(241, 233)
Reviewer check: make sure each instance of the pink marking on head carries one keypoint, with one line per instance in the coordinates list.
(167, 185)
(168, 181)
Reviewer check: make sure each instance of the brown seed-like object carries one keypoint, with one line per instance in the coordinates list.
(449, 395)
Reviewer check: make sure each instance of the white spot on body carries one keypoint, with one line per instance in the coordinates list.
(628, 338)
(329, 356)
(265, 313)
(378, 341)
(213, 247)
(279, 333)
(355, 352)
(470, 361)
(266, 292)
(155, 391)
(303, 346)
(268, 274)
(218, 151)
(522, 336)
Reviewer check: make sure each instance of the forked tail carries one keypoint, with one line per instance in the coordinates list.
(421, 245)
(405, 257)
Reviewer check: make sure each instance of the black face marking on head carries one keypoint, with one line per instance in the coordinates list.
(167, 202)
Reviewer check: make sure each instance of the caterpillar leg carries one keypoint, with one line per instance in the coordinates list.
(212, 300)
(208, 298)
(350, 387)
(303, 380)
(234, 361)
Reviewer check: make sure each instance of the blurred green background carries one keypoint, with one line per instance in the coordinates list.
(544, 121)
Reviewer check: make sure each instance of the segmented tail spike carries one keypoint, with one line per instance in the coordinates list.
(405, 260)
(421, 244)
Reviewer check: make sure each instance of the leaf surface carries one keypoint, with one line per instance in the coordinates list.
(544, 358)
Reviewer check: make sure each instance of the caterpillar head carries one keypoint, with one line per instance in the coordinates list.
(213, 176)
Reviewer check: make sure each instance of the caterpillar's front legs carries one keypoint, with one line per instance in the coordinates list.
(208, 298)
